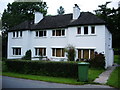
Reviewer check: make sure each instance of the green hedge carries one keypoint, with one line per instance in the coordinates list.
(48, 68)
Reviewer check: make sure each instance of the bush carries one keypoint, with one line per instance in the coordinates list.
(27, 55)
(48, 68)
(98, 61)
(70, 50)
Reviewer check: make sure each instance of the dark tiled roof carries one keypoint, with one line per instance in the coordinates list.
(26, 25)
(60, 21)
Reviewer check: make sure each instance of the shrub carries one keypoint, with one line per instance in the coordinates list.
(70, 50)
(27, 55)
(48, 68)
(98, 61)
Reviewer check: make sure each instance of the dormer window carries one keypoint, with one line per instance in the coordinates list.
(40, 33)
(17, 34)
(60, 32)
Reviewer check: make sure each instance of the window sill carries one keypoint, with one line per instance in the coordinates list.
(58, 37)
(16, 55)
(57, 57)
(39, 37)
(17, 37)
(85, 35)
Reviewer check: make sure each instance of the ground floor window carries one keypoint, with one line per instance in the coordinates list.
(58, 52)
(16, 51)
(85, 53)
(40, 51)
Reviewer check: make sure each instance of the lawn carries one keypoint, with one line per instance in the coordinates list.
(92, 74)
(114, 78)
(117, 59)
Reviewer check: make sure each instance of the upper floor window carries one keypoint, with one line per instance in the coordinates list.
(79, 30)
(40, 51)
(92, 30)
(86, 30)
(60, 32)
(17, 34)
(16, 51)
(58, 52)
(40, 33)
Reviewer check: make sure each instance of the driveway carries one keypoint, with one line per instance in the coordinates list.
(10, 82)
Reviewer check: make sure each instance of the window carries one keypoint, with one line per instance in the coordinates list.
(58, 52)
(16, 51)
(40, 51)
(40, 33)
(60, 32)
(79, 30)
(85, 30)
(17, 34)
(13, 34)
(86, 53)
(92, 30)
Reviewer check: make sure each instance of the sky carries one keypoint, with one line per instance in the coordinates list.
(53, 5)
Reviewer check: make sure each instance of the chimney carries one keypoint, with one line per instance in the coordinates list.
(76, 12)
(38, 17)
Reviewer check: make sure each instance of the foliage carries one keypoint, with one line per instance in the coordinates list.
(18, 12)
(61, 10)
(47, 68)
(92, 74)
(117, 59)
(27, 55)
(111, 16)
(70, 50)
(98, 61)
(114, 78)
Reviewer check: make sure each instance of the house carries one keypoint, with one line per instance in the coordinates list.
(49, 35)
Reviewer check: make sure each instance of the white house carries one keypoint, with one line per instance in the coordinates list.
(49, 35)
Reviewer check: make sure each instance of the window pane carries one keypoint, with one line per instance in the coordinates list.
(44, 51)
(20, 33)
(93, 30)
(58, 52)
(53, 33)
(85, 30)
(63, 52)
(79, 53)
(79, 30)
(58, 32)
(44, 33)
(35, 51)
(17, 33)
(86, 54)
(53, 52)
(63, 32)
(40, 33)
(36, 33)
(92, 54)
(13, 34)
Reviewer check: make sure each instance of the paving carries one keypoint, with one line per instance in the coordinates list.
(10, 82)
(103, 77)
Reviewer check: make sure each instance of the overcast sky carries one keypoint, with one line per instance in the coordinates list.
(53, 5)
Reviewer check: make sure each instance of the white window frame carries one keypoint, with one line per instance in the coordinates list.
(60, 53)
(60, 31)
(14, 51)
(39, 33)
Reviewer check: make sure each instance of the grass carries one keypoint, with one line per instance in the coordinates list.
(114, 80)
(117, 59)
(93, 73)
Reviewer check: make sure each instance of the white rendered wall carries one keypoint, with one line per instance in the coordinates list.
(22, 42)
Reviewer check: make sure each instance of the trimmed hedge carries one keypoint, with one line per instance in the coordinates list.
(48, 68)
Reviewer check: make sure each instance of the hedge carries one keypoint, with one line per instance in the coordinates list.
(48, 68)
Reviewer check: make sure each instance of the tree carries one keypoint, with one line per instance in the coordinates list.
(18, 12)
(27, 55)
(111, 16)
(61, 10)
